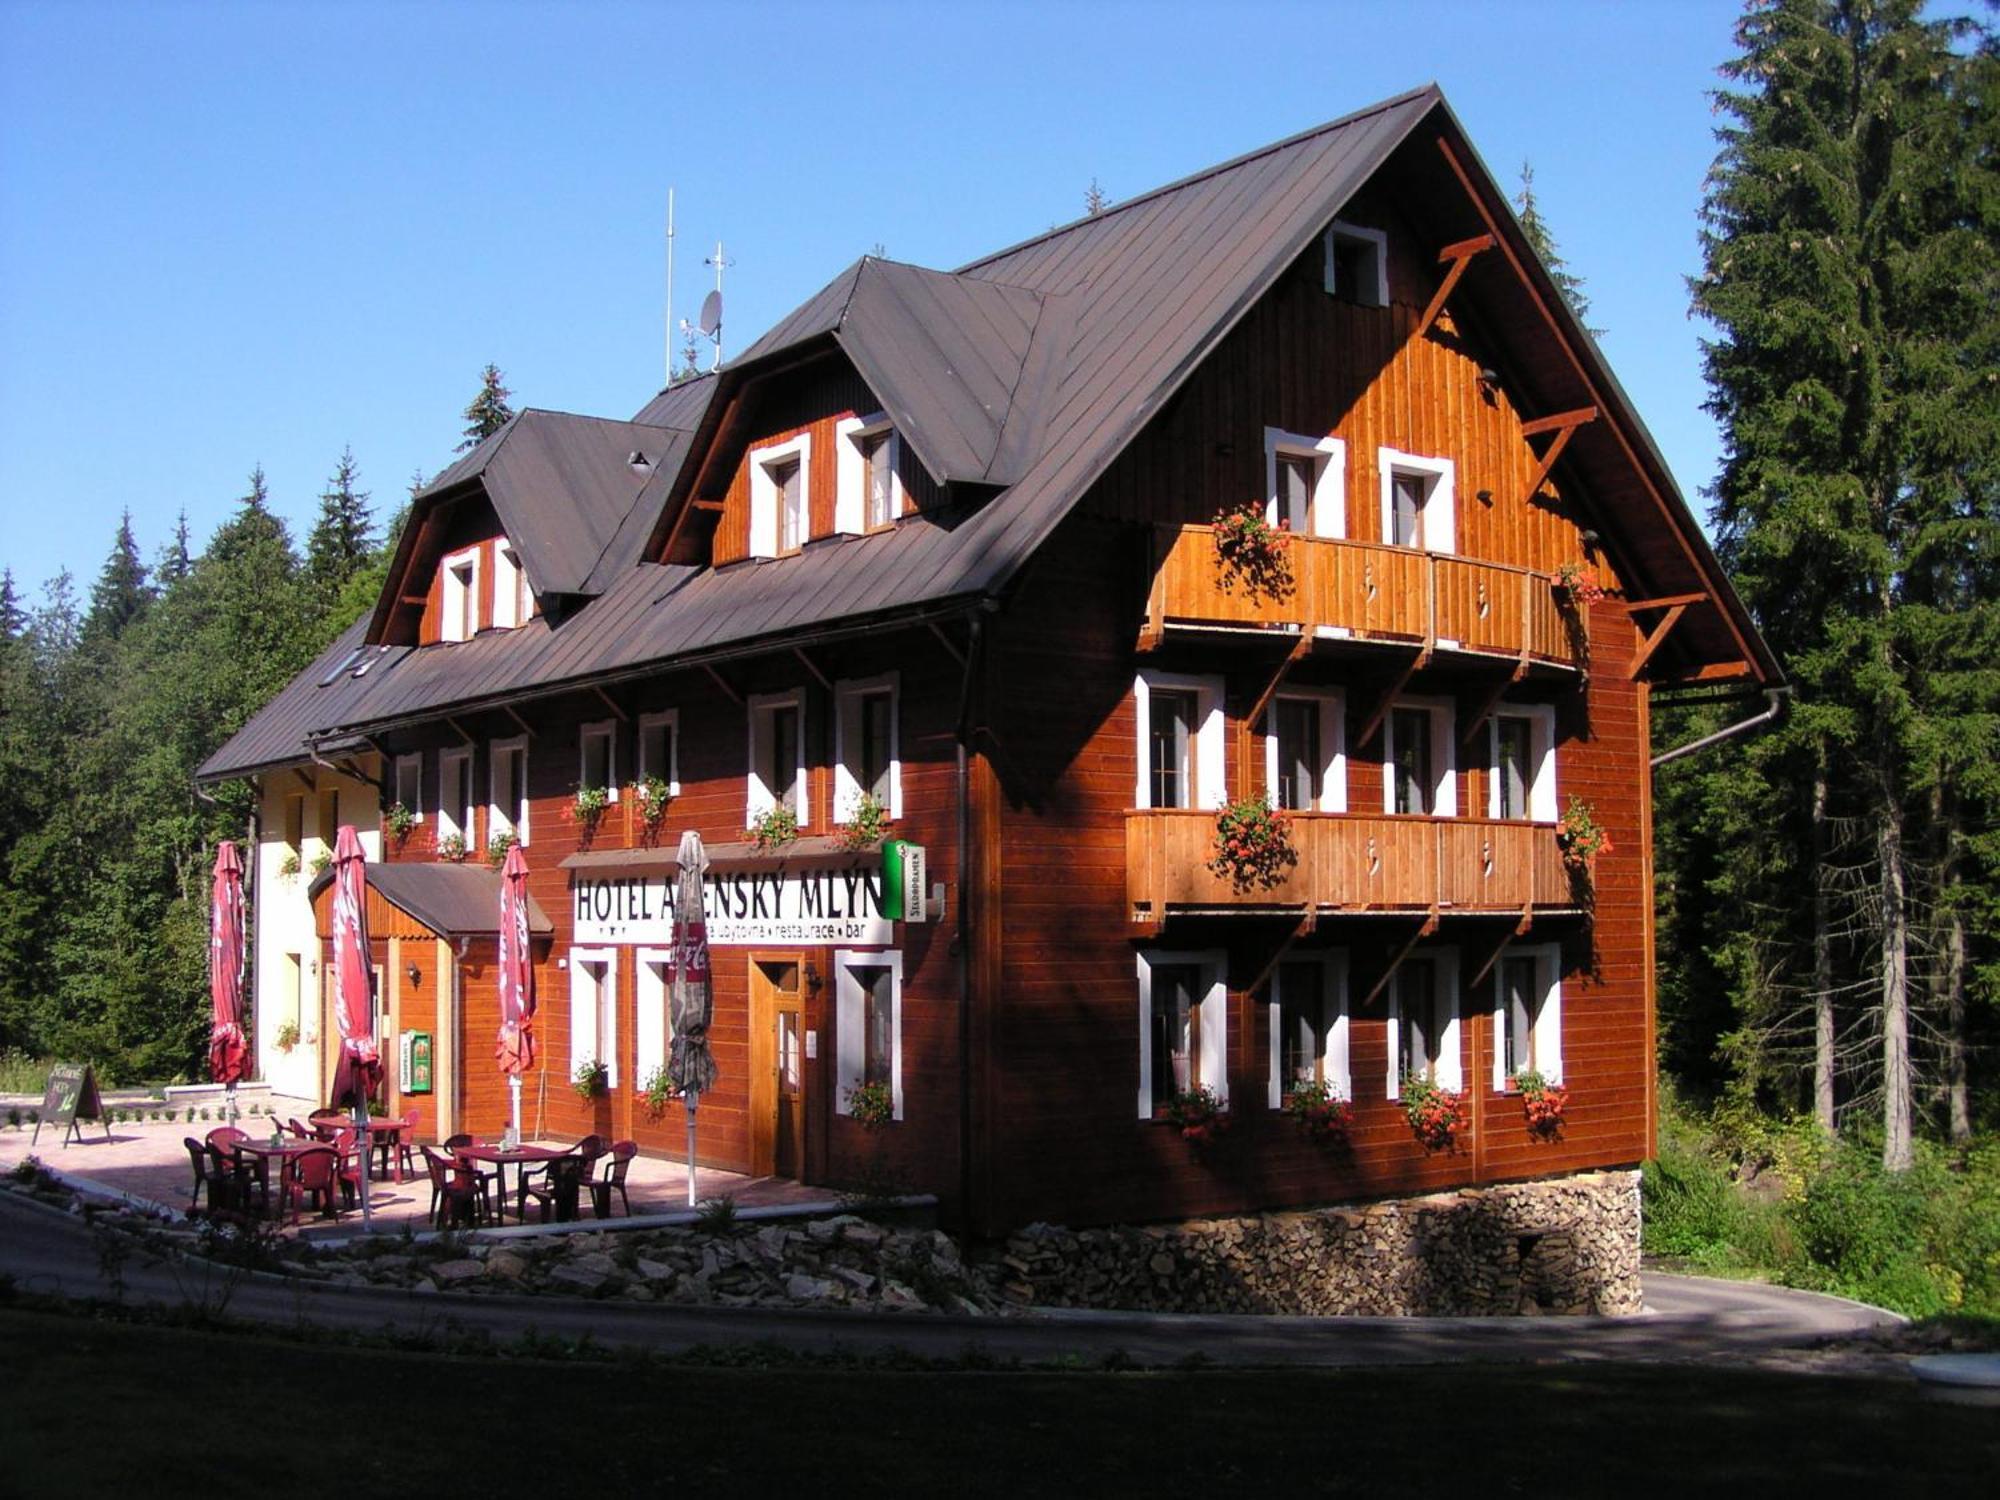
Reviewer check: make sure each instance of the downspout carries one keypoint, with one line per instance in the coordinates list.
(1774, 701)
(961, 944)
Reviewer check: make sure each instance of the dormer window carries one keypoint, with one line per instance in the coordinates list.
(459, 606)
(513, 600)
(780, 497)
(870, 493)
(1357, 265)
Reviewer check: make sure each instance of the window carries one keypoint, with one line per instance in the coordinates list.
(1527, 1014)
(329, 817)
(868, 1024)
(295, 824)
(865, 746)
(410, 784)
(508, 791)
(780, 503)
(597, 746)
(1305, 482)
(455, 794)
(458, 614)
(869, 488)
(1417, 501)
(653, 1030)
(1418, 758)
(777, 755)
(1357, 264)
(1423, 1022)
(1305, 756)
(593, 1009)
(1180, 733)
(1522, 765)
(659, 749)
(513, 600)
(1309, 1025)
(291, 987)
(1183, 1028)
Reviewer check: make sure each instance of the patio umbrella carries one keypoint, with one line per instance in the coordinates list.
(227, 1051)
(360, 1066)
(690, 1065)
(517, 981)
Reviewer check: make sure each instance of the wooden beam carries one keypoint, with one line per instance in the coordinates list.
(415, 599)
(1424, 929)
(944, 640)
(305, 779)
(1476, 721)
(813, 667)
(1445, 289)
(612, 703)
(717, 506)
(1653, 639)
(459, 729)
(1300, 650)
(1519, 930)
(519, 722)
(1715, 671)
(1666, 601)
(1381, 711)
(1541, 474)
(1305, 925)
(1559, 421)
(722, 682)
(1463, 249)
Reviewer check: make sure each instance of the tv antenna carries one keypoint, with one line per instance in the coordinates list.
(670, 286)
(711, 305)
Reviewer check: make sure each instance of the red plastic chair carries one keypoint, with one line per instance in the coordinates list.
(207, 1174)
(456, 1193)
(348, 1174)
(559, 1193)
(613, 1180)
(312, 1174)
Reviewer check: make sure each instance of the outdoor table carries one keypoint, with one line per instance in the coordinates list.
(384, 1135)
(286, 1148)
(499, 1156)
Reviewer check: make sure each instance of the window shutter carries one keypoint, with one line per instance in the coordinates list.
(582, 1011)
(1215, 1039)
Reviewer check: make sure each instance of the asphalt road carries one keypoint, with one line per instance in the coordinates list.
(1687, 1317)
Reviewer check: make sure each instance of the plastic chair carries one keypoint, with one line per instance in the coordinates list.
(206, 1175)
(243, 1180)
(453, 1188)
(559, 1193)
(613, 1180)
(312, 1174)
(492, 1186)
(294, 1129)
(348, 1174)
(225, 1137)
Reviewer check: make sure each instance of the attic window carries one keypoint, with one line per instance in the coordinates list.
(869, 492)
(513, 600)
(458, 614)
(1357, 265)
(780, 501)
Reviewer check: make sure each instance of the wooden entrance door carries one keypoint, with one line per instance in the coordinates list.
(777, 1067)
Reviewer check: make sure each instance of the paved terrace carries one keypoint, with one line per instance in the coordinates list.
(149, 1162)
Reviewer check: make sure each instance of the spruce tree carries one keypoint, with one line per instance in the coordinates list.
(1543, 241)
(341, 540)
(1849, 269)
(11, 618)
(175, 558)
(489, 411)
(120, 592)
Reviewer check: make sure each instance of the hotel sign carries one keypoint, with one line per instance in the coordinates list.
(745, 907)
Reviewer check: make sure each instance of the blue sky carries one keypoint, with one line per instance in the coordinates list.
(237, 233)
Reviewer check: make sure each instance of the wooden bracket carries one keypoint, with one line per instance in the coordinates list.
(813, 667)
(715, 506)
(1654, 638)
(1425, 928)
(350, 767)
(1665, 601)
(459, 730)
(1564, 427)
(1374, 720)
(1459, 256)
(1519, 930)
(1301, 649)
(612, 703)
(1476, 720)
(722, 682)
(519, 722)
(1305, 925)
(305, 778)
(944, 640)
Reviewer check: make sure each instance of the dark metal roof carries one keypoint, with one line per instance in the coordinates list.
(452, 900)
(276, 734)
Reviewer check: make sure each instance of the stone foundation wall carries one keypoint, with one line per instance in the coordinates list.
(1570, 1245)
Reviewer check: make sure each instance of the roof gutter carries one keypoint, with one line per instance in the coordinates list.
(1774, 701)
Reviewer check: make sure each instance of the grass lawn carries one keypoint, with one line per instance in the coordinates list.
(94, 1405)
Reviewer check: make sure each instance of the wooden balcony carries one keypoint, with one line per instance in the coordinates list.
(1351, 864)
(1363, 591)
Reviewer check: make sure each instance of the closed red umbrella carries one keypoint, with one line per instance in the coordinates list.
(227, 1050)
(517, 981)
(360, 1066)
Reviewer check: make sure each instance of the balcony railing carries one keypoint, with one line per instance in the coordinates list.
(1368, 592)
(1353, 862)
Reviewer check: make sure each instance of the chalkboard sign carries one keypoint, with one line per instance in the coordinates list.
(71, 1096)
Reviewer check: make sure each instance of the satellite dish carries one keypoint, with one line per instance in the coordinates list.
(711, 313)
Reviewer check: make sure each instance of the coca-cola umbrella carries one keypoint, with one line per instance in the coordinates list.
(360, 1066)
(690, 1064)
(517, 981)
(227, 1050)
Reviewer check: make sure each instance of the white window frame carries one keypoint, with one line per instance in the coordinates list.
(453, 606)
(1205, 745)
(671, 772)
(1334, 1054)
(1547, 1024)
(1332, 744)
(497, 821)
(653, 1022)
(850, 495)
(1378, 240)
(509, 584)
(1444, 754)
(761, 798)
(1440, 500)
(448, 815)
(847, 697)
(765, 529)
(413, 765)
(1214, 1020)
(1329, 489)
(593, 1031)
(1450, 1072)
(607, 730)
(1541, 719)
(850, 1021)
